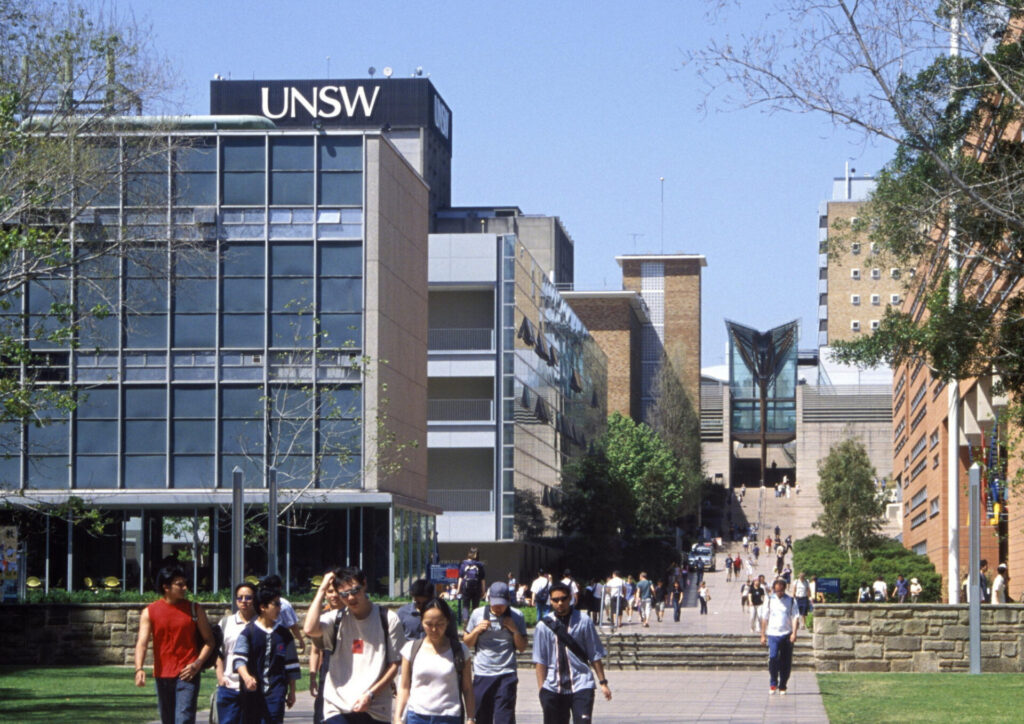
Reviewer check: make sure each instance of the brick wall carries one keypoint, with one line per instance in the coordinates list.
(915, 637)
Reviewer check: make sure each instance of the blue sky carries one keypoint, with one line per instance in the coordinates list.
(574, 110)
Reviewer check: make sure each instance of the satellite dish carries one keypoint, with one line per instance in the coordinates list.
(419, 70)
(387, 71)
(371, 71)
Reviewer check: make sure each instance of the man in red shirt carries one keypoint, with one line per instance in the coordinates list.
(182, 641)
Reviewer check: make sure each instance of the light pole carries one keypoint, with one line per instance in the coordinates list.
(237, 527)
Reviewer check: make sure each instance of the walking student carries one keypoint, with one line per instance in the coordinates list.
(644, 598)
(437, 687)
(363, 643)
(756, 599)
(704, 596)
(565, 647)
(229, 707)
(318, 661)
(675, 597)
(472, 580)
(779, 625)
(175, 625)
(802, 594)
(266, 662)
(496, 631)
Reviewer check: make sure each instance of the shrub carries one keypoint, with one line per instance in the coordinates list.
(820, 556)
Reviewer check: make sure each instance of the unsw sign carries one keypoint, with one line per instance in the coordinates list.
(398, 102)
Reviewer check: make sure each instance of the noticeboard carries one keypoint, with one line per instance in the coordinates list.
(829, 585)
(444, 573)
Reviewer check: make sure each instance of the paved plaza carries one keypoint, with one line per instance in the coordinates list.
(656, 696)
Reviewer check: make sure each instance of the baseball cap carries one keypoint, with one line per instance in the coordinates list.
(498, 594)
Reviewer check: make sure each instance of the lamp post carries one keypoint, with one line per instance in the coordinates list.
(237, 527)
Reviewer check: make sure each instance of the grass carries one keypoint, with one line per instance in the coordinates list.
(957, 698)
(82, 694)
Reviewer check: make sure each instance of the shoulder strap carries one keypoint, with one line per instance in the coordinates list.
(337, 626)
(415, 650)
(558, 629)
(387, 640)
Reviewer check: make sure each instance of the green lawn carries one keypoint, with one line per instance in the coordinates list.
(932, 698)
(81, 694)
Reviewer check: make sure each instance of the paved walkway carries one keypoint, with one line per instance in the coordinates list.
(670, 697)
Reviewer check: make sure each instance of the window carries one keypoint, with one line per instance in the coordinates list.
(291, 295)
(243, 162)
(340, 294)
(874, 324)
(876, 299)
(855, 274)
(96, 439)
(145, 175)
(934, 508)
(291, 171)
(341, 167)
(242, 296)
(855, 325)
(145, 437)
(195, 299)
(894, 273)
(855, 299)
(855, 247)
(876, 273)
(194, 434)
(47, 467)
(195, 174)
(874, 247)
(145, 298)
(921, 548)
(894, 299)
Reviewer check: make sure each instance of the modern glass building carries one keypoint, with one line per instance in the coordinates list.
(763, 369)
(265, 308)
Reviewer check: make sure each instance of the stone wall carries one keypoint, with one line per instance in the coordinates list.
(915, 637)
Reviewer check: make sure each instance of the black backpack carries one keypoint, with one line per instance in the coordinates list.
(540, 598)
(218, 640)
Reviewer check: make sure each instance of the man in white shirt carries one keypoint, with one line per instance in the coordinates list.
(802, 594)
(363, 642)
(539, 590)
(779, 624)
(615, 589)
(881, 590)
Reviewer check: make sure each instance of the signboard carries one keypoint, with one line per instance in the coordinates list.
(444, 573)
(369, 103)
(828, 585)
(9, 562)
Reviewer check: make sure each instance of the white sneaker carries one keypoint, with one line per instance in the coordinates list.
(782, 692)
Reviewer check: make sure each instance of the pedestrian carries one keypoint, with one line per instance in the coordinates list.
(864, 594)
(900, 589)
(744, 593)
(779, 624)
(568, 580)
(728, 570)
(659, 599)
(318, 661)
(704, 595)
(510, 582)
(266, 661)
(176, 627)
(746, 543)
(495, 632)
(778, 532)
(880, 592)
(737, 566)
(802, 594)
(410, 614)
(472, 581)
(700, 571)
(539, 593)
(437, 683)
(596, 599)
(287, 618)
(675, 598)
(364, 642)
(757, 552)
(630, 591)
(787, 574)
(756, 600)
(915, 590)
(999, 584)
(229, 709)
(565, 648)
(615, 589)
(644, 599)
(768, 545)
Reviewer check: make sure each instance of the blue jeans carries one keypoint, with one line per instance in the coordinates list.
(412, 717)
(780, 660)
(176, 700)
(496, 698)
(229, 706)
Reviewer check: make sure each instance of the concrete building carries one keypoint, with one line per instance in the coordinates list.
(306, 224)
(517, 386)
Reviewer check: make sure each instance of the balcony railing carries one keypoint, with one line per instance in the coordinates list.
(464, 410)
(461, 501)
(441, 339)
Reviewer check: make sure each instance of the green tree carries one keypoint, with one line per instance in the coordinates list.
(852, 509)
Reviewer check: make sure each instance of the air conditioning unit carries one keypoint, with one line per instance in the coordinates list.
(253, 359)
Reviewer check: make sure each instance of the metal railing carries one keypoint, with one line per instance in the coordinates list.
(461, 501)
(464, 410)
(442, 339)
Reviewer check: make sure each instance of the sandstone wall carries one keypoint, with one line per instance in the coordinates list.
(915, 637)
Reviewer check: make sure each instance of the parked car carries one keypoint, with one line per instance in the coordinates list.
(703, 554)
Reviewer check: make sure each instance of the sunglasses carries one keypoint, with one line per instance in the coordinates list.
(243, 598)
(559, 599)
(350, 593)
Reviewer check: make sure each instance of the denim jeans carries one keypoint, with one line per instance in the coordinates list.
(177, 700)
(229, 706)
(412, 717)
(780, 660)
(558, 708)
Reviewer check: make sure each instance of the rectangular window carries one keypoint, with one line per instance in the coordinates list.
(291, 171)
(855, 299)
(244, 171)
(145, 437)
(855, 274)
(96, 439)
(876, 273)
(874, 324)
(894, 273)
(894, 299)
(876, 299)
(855, 325)
(194, 435)
(145, 171)
(195, 173)
(855, 247)
(340, 170)
(243, 296)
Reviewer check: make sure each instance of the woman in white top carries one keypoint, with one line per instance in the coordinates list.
(433, 690)
(999, 584)
(229, 706)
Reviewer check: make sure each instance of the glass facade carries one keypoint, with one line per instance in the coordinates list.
(554, 382)
(769, 357)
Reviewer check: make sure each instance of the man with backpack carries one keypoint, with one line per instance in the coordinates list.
(779, 624)
(363, 642)
(565, 647)
(472, 580)
(496, 631)
(539, 593)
